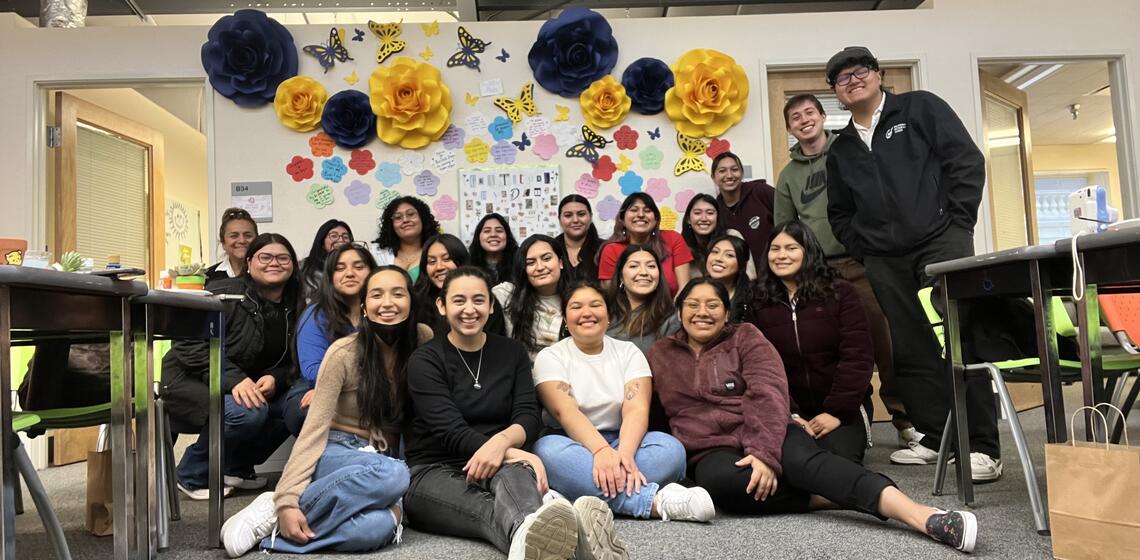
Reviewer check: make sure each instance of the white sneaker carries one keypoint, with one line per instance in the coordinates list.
(596, 531)
(551, 495)
(983, 468)
(255, 483)
(908, 435)
(677, 503)
(914, 454)
(242, 532)
(551, 533)
(202, 494)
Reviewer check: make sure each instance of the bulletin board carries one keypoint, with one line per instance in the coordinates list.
(526, 195)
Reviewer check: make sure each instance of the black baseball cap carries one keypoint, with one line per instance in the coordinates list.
(847, 57)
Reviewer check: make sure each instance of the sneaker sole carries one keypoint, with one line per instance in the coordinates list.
(912, 460)
(226, 490)
(554, 533)
(598, 521)
(986, 478)
(970, 532)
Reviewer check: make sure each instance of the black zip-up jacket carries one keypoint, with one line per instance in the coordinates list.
(924, 175)
(186, 367)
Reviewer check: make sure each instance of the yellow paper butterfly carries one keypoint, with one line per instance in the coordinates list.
(430, 28)
(426, 54)
(352, 78)
(591, 143)
(389, 36)
(624, 163)
(472, 99)
(516, 107)
(691, 151)
(563, 113)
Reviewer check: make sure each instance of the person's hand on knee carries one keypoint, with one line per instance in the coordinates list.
(293, 526)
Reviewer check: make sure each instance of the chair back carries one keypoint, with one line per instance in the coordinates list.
(1122, 313)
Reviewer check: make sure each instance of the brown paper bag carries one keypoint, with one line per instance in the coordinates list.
(1093, 491)
(99, 513)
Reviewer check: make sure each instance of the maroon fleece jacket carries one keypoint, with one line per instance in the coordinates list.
(733, 394)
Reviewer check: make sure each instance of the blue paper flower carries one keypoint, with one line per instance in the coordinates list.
(348, 119)
(572, 51)
(646, 80)
(389, 174)
(247, 55)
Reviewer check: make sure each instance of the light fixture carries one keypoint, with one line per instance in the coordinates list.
(1108, 139)
(1040, 76)
(1016, 74)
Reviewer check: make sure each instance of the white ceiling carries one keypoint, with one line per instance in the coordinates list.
(1050, 120)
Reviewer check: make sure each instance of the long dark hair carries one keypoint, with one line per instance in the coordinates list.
(815, 280)
(502, 269)
(381, 394)
(654, 312)
(588, 254)
(742, 286)
(524, 299)
(621, 235)
(698, 249)
(329, 302)
(292, 294)
(317, 253)
(387, 238)
(426, 291)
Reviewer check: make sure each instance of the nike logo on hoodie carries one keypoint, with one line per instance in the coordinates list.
(816, 184)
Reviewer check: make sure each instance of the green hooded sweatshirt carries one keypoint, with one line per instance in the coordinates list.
(801, 193)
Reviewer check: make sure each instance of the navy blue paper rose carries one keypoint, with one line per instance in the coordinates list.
(572, 51)
(646, 80)
(247, 55)
(348, 119)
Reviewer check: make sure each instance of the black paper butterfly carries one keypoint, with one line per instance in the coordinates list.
(359, 35)
(333, 51)
(591, 143)
(523, 143)
(503, 57)
(469, 47)
(654, 134)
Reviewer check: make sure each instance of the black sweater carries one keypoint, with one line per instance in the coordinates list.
(451, 420)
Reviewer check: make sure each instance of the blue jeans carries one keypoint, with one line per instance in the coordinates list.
(294, 414)
(569, 468)
(347, 502)
(251, 436)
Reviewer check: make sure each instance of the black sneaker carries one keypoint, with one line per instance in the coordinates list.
(958, 529)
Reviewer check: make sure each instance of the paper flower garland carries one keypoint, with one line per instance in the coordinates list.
(247, 55)
(646, 80)
(348, 119)
(572, 51)
(299, 103)
(411, 103)
(604, 103)
(709, 95)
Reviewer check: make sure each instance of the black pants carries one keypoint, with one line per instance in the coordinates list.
(848, 441)
(439, 500)
(807, 470)
(920, 370)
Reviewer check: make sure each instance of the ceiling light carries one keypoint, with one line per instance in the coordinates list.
(1017, 73)
(1040, 76)
(1109, 139)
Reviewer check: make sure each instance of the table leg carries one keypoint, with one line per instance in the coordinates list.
(146, 505)
(957, 371)
(1047, 352)
(214, 525)
(123, 478)
(1092, 372)
(7, 466)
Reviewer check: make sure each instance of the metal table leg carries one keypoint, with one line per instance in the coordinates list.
(145, 494)
(1092, 370)
(121, 460)
(7, 466)
(956, 370)
(1054, 400)
(217, 446)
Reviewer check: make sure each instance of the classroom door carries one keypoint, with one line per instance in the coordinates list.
(108, 187)
(1008, 149)
(783, 85)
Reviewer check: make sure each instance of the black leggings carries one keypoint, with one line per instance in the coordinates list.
(807, 470)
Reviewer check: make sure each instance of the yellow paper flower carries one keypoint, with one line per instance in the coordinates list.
(299, 103)
(604, 103)
(411, 102)
(710, 93)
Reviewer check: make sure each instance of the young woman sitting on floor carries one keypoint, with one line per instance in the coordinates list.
(443, 253)
(533, 299)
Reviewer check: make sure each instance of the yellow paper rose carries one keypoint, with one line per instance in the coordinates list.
(299, 103)
(604, 103)
(709, 95)
(411, 102)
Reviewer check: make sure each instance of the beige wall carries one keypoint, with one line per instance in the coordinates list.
(1081, 157)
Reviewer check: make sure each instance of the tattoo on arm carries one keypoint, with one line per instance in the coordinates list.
(563, 387)
(632, 392)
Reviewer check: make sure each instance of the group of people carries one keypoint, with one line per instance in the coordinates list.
(523, 393)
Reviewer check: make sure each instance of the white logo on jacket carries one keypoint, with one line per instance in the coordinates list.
(754, 222)
(895, 130)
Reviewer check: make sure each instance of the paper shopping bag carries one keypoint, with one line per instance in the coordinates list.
(99, 512)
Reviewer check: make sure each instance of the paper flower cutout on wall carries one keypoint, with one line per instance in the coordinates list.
(646, 80)
(348, 119)
(604, 103)
(411, 102)
(572, 51)
(300, 168)
(247, 55)
(299, 102)
(710, 93)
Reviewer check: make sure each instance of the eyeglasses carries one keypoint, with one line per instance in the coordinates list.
(282, 259)
(694, 305)
(845, 78)
(336, 236)
(408, 215)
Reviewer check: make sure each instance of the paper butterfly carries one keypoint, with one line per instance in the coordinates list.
(472, 99)
(516, 107)
(359, 36)
(591, 143)
(352, 78)
(469, 47)
(430, 28)
(503, 57)
(691, 151)
(654, 134)
(389, 36)
(333, 52)
(426, 54)
(563, 113)
(624, 163)
(523, 143)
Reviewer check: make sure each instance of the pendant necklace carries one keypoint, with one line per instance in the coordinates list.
(478, 369)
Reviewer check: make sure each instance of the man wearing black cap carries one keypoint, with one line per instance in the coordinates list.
(904, 180)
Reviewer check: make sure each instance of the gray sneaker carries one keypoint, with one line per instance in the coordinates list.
(914, 454)
(551, 533)
(597, 536)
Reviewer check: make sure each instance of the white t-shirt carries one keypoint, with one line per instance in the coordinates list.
(597, 382)
(547, 319)
(866, 133)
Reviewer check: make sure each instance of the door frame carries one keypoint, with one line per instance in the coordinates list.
(1019, 100)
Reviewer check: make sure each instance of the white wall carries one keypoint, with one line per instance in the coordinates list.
(945, 40)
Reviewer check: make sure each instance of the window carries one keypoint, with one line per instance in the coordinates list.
(1052, 204)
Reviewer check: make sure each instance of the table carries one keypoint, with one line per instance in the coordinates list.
(43, 304)
(174, 316)
(1038, 272)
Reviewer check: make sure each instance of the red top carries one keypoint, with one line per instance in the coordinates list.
(676, 254)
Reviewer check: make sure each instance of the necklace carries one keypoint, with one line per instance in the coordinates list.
(478, 369)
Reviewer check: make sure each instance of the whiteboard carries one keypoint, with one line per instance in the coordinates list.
(527, 195)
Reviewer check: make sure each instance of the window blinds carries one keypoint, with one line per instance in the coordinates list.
(111, 198)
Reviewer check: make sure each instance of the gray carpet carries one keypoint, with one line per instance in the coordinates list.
(1006, 526)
